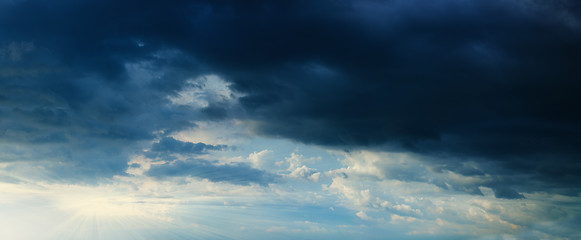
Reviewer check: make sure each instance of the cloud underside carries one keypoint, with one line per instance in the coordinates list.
(237, 173)
(492, 82)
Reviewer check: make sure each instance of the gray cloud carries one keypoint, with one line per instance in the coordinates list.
(77, 112)
(171, 145)
(235, 173)
(492, 82)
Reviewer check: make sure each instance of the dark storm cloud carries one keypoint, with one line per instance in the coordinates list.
(490, 81)
(92, 122)
(79, 90)
(236, 173)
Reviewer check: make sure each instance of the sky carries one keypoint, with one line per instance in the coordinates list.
(330, 119)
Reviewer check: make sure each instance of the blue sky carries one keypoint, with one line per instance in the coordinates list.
(365, 119)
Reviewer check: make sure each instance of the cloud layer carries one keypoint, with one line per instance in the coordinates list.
(467, 98)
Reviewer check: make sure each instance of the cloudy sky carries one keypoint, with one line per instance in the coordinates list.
(330, 119)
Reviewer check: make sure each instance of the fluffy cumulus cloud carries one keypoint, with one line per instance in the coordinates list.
(465, 177)
(443, 119)
(431, 203)
(297, 169)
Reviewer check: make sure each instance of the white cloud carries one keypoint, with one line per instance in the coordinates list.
(367, 186)
(230, 132)
(257, 159)
(204, 90)
(296, 160)
(363, 216)
(397, 218)
(298, 170)
(138, 165)
(352, 194)
(304, 172)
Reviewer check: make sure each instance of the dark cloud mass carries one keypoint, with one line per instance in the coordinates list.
(171, 145)
(168, 147)
(235, 173)
(490, 81)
